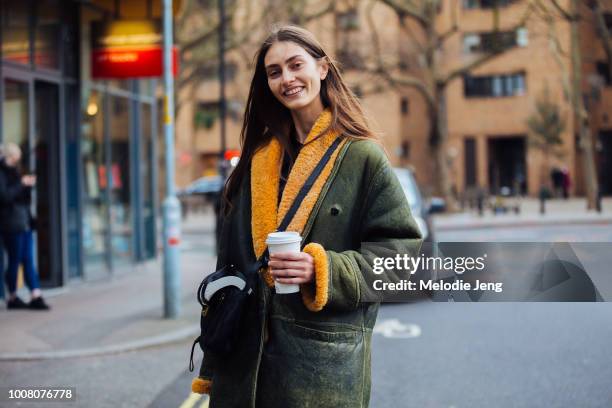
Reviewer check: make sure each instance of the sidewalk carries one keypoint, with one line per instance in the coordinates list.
(116, 315)
(558, 212)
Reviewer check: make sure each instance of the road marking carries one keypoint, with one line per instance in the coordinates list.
(393, 328)
(205, 402)
(191, 400)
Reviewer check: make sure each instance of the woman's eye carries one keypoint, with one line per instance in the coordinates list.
(273, 74)
(297, 65)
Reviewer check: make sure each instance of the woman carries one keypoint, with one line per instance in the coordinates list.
(16, 229)
(313, 348)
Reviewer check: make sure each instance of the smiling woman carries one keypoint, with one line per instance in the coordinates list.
(294, 77)
(310, 348)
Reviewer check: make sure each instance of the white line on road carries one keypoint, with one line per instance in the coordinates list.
(192, 399)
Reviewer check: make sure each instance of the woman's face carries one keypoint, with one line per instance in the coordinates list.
(294, 76)
(12, 160)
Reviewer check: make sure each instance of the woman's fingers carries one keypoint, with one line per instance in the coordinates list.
(291, 281)
(291, 268)
(289, 256)
(288, 273)
(287, 264)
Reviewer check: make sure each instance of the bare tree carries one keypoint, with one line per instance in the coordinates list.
(545, 126)
(246, 23)
(431, 80)
(552, 11)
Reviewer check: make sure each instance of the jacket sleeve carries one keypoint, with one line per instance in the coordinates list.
(341, 278)
(202, 384)
(10, 193)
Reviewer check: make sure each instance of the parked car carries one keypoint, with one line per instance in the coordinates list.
(206, 186)
(421, 211)
(200, 193)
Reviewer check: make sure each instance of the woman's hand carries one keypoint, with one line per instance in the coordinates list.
(28, 180)
(292, 268)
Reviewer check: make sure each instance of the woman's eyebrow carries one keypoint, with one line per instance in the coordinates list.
(288, 60)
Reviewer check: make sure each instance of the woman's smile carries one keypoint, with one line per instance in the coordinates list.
(294, 92)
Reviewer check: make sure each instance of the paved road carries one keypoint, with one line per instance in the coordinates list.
(424, 355)
(495, 355)
(600, 232)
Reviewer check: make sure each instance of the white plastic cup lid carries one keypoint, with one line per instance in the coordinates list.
(283, 237)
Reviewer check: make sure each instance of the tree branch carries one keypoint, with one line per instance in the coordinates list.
(603, 32)
(564, 13)
(408, 9)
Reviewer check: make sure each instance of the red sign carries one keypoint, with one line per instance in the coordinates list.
(130, 63)
(128, 49)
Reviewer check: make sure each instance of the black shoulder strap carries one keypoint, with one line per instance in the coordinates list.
(263, 259)
(308, 185)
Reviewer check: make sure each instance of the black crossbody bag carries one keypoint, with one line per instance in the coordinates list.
(224, 293)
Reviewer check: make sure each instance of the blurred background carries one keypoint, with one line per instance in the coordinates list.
(496, 114)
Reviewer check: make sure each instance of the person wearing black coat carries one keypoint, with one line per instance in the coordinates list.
(16, 229)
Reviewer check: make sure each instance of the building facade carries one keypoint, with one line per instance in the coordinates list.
(91, 143)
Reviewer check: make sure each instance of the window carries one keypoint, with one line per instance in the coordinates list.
(404, 106)
(47, 34)
(348, 52)
(15, 21)
(494, 86)
(474, 4)
(494, 41)
(603, 70)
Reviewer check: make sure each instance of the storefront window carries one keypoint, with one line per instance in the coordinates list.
(15, 32)
(93, 152)
(46, 34)
(15, 106)
(121, 209)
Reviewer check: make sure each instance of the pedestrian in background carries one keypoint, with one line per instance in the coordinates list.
(1, 249)
(311, 348)
(16, 229)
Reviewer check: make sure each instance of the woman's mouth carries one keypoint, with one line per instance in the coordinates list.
(293, 92)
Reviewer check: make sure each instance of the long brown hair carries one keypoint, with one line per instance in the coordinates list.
(265, 117)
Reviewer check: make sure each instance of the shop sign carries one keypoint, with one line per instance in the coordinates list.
(128, 49)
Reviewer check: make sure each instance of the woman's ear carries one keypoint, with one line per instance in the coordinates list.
(323, 69)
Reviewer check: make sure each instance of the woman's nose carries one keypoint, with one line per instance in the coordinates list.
(288, 76)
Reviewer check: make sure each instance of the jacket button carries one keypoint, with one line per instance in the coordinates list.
(335, 210)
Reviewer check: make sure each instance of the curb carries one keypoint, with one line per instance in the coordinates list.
(520, 223)
(155, 341)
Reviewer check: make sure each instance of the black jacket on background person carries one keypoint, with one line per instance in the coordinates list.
(15, 199)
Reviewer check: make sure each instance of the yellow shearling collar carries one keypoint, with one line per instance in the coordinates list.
(266, 215)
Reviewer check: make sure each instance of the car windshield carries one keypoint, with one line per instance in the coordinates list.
(410, 188)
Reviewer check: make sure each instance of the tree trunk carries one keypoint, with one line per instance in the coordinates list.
(443, 182)
(581, 117)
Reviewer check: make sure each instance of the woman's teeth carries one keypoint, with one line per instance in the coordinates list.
(293, 91)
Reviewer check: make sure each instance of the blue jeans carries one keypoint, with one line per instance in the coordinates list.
(20, 250)
(1, 269)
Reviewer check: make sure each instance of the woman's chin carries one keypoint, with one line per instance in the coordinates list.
(297, 104)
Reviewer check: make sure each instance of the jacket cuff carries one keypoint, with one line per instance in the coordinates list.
(201, 385)
(317, 300)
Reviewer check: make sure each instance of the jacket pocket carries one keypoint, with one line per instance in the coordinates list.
(328, 333)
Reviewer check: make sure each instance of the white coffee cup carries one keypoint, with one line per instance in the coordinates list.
(285, 241)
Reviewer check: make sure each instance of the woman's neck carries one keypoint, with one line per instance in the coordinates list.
(305, 118)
